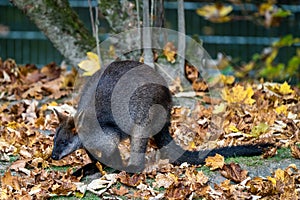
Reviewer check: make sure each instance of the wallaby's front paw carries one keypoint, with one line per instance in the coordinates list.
(86, 170)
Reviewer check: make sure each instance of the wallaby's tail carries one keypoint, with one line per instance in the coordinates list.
(177, 155)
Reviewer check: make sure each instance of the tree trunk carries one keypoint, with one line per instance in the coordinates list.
(181, 43)
(58, 21)
(147, 35)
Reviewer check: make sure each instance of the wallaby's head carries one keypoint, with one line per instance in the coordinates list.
(66, 140)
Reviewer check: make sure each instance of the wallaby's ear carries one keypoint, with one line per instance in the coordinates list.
(60, 116)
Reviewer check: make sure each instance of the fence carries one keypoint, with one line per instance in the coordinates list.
(239, 39)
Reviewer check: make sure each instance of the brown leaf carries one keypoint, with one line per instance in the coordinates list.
(295, 151)
(33, 77)
(51, 71)
(9, 180)
(133, 180)
(19, 164)
(215, 162)
(200, 86)
(234, 172)
(165, 180)
(121, 191)
(178, 191)
(34, 92)
(270, 153)
(191, 72)
(25, 153)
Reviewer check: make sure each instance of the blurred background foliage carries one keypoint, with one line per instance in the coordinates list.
(267, 63)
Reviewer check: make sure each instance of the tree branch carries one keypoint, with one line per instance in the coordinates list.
(57, 20)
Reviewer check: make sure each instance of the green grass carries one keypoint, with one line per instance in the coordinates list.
(87, 196)
(282, 153)
(249, 161)
(205, 170)
(57, 168)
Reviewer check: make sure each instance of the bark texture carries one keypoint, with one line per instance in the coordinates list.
(58, 21)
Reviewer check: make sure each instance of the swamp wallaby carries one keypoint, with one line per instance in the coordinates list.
(128, 99)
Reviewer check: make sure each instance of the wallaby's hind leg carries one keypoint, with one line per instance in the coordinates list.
(138, 148)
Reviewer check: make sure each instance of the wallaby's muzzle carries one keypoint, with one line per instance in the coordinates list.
(55, 156)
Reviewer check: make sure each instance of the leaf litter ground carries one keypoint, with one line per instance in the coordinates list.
(249, 114)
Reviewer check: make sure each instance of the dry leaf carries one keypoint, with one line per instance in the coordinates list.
(164, 180)
(238, 94)
(295, 151)
(121, 191)
(170, 52)
(133, 180)
(234, 172)
(216, 162)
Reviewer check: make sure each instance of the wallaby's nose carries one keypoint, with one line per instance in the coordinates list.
(55, 156)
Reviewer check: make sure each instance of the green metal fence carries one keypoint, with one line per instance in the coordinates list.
(239, 39)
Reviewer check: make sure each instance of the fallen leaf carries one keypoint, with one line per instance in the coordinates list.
(238, 94)
(258, 130)
(281, 109)
(216, 162)
(227, 79)
(8, 180)
(271, 152)
(234, 172)
(169, 51)
(295, 151)
(285, 88)
(133, 180)
(165, 180)
(19, 164)
(121, 191)
(51, 71)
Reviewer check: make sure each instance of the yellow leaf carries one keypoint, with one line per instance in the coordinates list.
(214, 162)
(233, 128)
(281, 109)
(264, 7)
(215, 13)
(285, 88)
(256, 131)
(238, 94)
(45, 106)
(192, 145)
(91, 65)
(280, 175)
(170, 52)
(272, 180)
(227, 79)
(13, 125)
